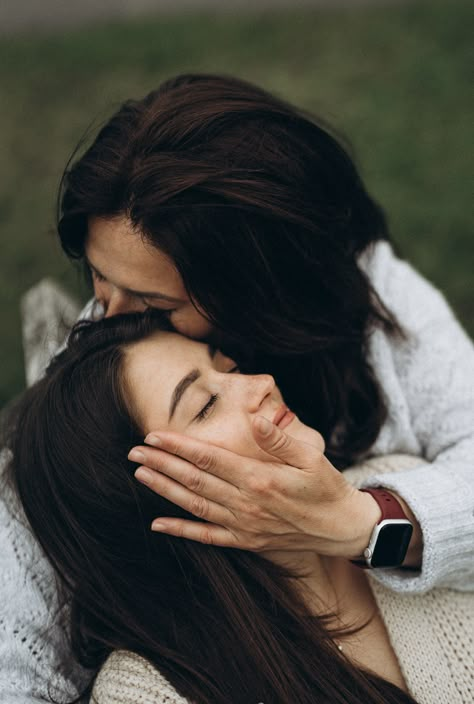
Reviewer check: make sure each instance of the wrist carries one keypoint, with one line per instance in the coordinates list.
(396, 540)
(415, 548)
(366, 515)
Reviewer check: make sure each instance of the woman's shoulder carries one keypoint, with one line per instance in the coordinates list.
(399, 285)
(431, 635)
(128, 678)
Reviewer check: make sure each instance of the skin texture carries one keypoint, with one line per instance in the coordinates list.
(126, 270)
(298, 501)
(228, 421)
(221, 407)
(154, 368)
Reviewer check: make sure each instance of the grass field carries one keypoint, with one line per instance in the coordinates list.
(394, 79)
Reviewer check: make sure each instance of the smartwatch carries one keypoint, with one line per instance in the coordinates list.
(390, 537)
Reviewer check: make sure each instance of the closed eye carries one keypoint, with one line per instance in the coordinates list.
(165, 311)
(96, 275)
(204, 412)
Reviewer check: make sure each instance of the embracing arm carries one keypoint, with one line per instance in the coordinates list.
(434, 368)
(301, 502)
(33, 639)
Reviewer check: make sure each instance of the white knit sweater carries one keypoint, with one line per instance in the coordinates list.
(428, 382)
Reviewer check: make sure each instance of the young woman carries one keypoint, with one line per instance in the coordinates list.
(247, 224)
(191, 622)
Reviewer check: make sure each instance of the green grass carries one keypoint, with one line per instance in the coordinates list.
(394, 79)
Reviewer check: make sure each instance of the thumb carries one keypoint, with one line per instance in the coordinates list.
(282, 446)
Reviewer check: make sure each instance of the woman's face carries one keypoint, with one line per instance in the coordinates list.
(175, 383)
(130, 275)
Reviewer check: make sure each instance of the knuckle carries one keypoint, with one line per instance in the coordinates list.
(279, 442)
(205, 461)
(153, 460)
(260, 544)
(254, 512)
(179, 530)
(195, 481)
(198, 506)
(172, 447)
(256, 543)
(260, 485)
(206, 537)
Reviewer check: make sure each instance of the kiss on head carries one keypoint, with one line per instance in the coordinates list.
(254, 336)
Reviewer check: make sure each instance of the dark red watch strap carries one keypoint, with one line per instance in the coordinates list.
(389, 506)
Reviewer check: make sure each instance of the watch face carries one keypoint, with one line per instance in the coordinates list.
(392, 545)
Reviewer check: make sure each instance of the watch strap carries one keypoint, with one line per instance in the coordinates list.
(391, 510)
(389, 505)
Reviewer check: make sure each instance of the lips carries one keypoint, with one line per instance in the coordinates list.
(283, 416)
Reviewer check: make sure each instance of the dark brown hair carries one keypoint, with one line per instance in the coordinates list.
(264, 214)
(224, 626)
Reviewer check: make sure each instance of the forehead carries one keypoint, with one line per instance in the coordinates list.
(154, 366)
(164, 349)
(117, 250)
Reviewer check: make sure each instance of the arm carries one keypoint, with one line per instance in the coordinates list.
(300, 502)
(434, 370)
(32, 621)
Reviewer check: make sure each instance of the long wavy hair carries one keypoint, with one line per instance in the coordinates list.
(224, 626)
(265, 216)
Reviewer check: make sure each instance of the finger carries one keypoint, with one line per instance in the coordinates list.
(180, 496)
(281, 446)
(187, 474)
(213, 459)
(206, 533)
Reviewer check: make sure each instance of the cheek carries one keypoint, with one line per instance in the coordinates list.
(100, 289)
(232, 433)
(191, 323)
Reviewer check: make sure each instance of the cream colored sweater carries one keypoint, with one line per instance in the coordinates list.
(432, 635)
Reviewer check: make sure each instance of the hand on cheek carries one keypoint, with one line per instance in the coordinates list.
(296, 501)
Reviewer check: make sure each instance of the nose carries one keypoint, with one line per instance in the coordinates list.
(118, 301)
(115, 300)
(260, 387)
(116, 304)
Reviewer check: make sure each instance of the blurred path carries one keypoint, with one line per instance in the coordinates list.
(18, 16)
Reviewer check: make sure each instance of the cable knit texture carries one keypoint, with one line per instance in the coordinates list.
(431, 634)
(428, 383)
(127, 678)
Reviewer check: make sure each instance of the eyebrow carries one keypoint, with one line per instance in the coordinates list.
(180, 389)
(185, 383)
(138, 294)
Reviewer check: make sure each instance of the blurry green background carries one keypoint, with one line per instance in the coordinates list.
(394, 79)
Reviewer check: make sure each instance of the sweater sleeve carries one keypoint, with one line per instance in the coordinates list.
(33, 629)
(434, 367)
(33, 621)
(127, 678)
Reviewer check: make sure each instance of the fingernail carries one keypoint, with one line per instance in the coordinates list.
(156, 525)
(143, 475)
(264, 426)
(136, 456)
(153, 440)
